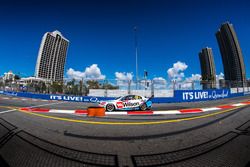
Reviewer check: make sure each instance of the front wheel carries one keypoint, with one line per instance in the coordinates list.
(110, 107)
(143, 107)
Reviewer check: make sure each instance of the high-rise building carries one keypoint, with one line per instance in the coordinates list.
(51, 57)
(207, 68)
(234, 68)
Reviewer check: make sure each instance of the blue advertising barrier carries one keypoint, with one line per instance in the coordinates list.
(197, 95)
(57, 97)
(179, 96)
(201, 95)
(204, 95)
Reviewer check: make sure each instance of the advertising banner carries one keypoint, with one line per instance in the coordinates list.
(90, 99)
(79, 98)
(201, 95)
(179, 96)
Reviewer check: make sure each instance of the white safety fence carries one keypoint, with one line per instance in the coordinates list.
(116, 93)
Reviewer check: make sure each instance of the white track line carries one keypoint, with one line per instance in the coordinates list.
(7, 111)
(45, 104)
(31, 107)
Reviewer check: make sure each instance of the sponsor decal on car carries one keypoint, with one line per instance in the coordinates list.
(129, 104)
(119, 104)
(103, 103)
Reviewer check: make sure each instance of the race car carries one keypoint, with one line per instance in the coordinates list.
(129, 102)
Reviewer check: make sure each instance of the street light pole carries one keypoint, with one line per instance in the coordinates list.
(136, 56)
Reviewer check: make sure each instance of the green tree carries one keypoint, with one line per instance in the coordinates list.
(110, 87)
(69, 87)
(93, 84)
(57, 87)
(43, 87)
(17, 77)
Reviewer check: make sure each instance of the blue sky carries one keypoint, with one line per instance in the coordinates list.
(101, 32)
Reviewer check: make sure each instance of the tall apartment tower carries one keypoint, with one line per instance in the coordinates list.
(207, 68)
(51, 57)
(234, 68)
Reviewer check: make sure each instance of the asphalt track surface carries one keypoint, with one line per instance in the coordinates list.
(214, 138)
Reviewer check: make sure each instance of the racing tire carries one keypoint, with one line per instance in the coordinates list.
(143, 107)
(110, 107)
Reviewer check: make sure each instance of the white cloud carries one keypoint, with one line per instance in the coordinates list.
(124, 76)
(191, 82)
(176, 72)
(123, 79)
(92, 72)
(78, 75)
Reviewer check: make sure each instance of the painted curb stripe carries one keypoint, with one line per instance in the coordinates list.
(81, 111)
(238, 104)
(116, 113)
(167, 112)
(131, 123)
(184, 111)
(36, 109)
(191, 110)
(226, 107)
(62, 111)
(211, 109)
(140, 112)
(5, 98)
(40, 110)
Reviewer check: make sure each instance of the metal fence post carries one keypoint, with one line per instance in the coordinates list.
(152, 88)
(173, 81)
(106, 90)
(129, 87)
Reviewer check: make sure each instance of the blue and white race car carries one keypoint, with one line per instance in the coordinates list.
(129, 102)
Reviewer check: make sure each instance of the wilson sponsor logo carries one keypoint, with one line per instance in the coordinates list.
(129, 104)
